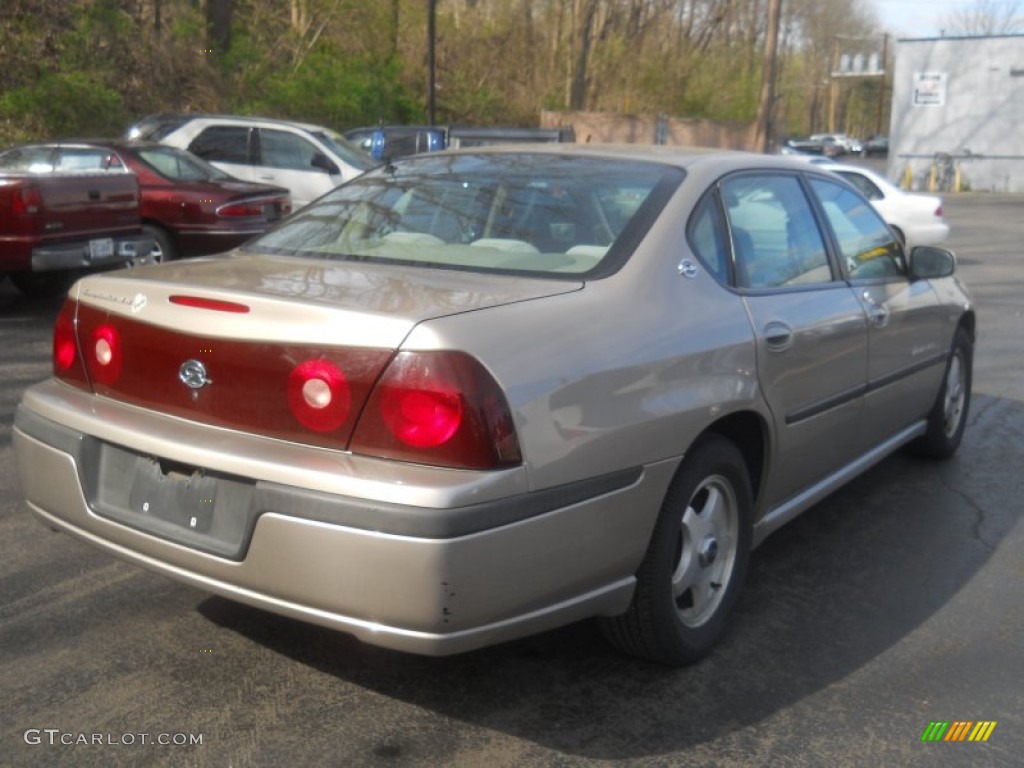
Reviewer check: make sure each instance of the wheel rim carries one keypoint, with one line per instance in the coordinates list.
(956, 394)
(705, 551)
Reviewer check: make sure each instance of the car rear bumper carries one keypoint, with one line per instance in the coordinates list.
(59, 256)
(425, 579)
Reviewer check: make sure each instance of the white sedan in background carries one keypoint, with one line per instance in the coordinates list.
(915, 218)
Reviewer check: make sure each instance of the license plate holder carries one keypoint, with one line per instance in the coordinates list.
(101, 248)
(177, 495)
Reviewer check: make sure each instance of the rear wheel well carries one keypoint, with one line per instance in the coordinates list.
(747, 431)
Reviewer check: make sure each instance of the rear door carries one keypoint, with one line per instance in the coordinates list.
(810, 329)
(229, 147)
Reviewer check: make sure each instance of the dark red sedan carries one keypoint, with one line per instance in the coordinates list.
(189, 207)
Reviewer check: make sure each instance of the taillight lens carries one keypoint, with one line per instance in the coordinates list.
(318, 395)
(263, 208)
(26, 200)
(67, 364)
(440, 408)
(104, 354)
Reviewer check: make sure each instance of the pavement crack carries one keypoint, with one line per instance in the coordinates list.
(979, 514)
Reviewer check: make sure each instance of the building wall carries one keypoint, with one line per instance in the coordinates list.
(962, 97)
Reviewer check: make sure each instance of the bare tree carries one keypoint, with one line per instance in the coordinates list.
(986, 17)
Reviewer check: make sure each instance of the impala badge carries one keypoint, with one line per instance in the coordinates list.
(193, 375)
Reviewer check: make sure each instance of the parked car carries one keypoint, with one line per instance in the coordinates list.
(56, 219)
(876, 145)
(917, 219)
(476, 395)
(393, 141)
(833, 144)
(187, 206)
(308, 160)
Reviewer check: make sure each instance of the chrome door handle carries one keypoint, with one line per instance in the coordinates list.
(878, 314)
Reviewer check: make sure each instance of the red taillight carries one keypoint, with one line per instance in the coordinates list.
(263, 208)
(26, 200)
(938, 211)
(318, 395)
(439, 408)
(104, 354)
(67, 365)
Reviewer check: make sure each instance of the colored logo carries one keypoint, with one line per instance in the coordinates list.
(958, 730)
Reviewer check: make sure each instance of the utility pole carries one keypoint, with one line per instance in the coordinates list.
(766, 105)
(881, 88)
(431, 61)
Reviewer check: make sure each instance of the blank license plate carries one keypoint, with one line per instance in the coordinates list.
(102, 248)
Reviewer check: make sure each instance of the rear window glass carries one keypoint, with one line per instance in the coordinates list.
(519, 213)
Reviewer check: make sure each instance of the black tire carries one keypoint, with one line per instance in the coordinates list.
(696, 561)
(164, 249)
(948, 416)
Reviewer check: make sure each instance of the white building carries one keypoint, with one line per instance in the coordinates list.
(961, 97)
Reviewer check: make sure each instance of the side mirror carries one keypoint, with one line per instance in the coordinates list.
(321, 161)
(928, 262)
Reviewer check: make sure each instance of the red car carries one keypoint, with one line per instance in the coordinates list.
(189, 207)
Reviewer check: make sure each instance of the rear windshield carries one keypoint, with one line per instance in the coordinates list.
(180, 166)
(541, 214)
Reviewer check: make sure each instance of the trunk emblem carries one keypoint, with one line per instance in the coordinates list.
(192, 374)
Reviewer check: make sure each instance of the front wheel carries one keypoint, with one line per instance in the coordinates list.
(948, 417)
(696, 561)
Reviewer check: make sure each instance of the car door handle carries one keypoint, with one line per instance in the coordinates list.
(878, 314)
(778, 336)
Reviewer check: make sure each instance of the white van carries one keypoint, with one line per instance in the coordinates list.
(307, 159)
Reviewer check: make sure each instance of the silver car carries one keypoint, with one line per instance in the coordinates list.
(475, 395)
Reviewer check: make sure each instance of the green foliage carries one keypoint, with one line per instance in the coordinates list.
(330, 88)
(62, 104)
(89, 67)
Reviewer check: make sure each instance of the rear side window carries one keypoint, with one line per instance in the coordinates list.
(223, 144)
(776, 239)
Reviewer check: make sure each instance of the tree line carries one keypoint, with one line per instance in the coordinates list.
(90, 67)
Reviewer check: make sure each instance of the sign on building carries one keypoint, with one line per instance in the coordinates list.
(929, 89)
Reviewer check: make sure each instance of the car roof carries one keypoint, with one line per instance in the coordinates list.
(679, 156)
(185, 117)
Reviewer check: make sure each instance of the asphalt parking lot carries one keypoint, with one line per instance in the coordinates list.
(894, 603)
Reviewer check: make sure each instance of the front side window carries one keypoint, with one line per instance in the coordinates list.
(541, 214)
(865, 242)
(281, 149)
(863, 184)
(776, 239)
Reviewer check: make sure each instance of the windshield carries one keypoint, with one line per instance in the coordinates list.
(517, 212)
(180, 166)
(345, 149)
